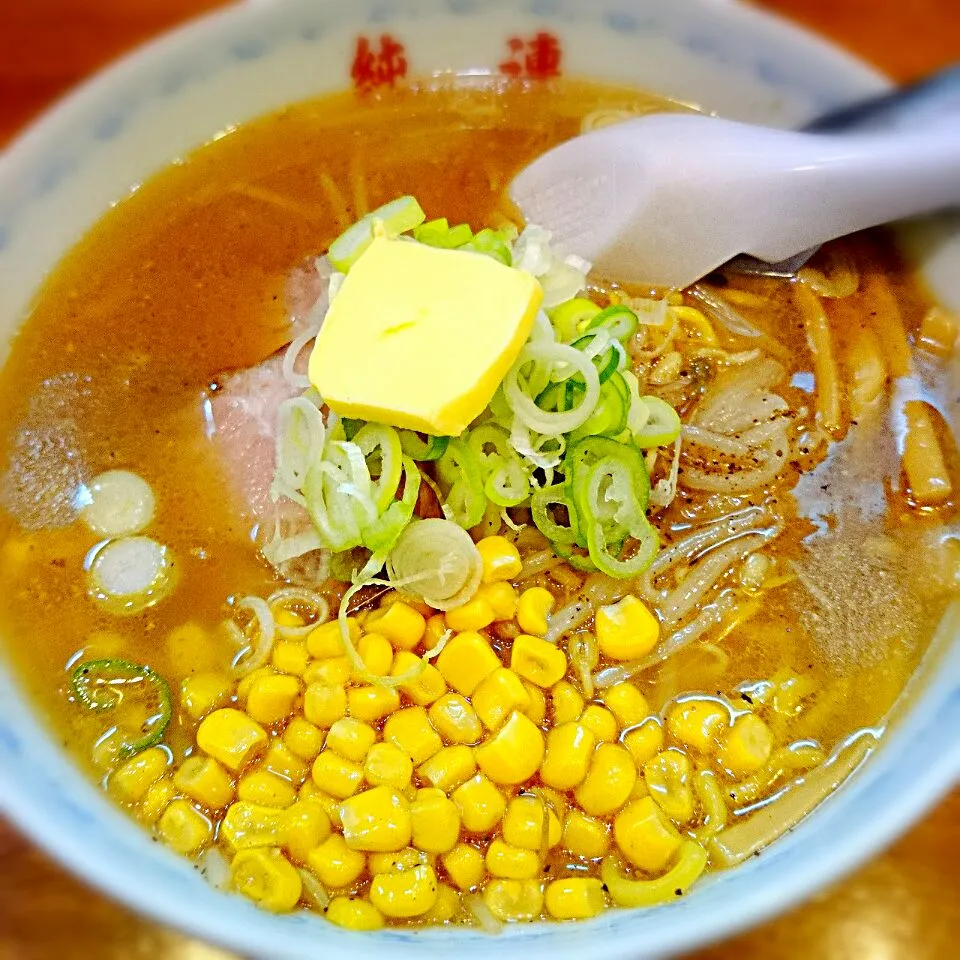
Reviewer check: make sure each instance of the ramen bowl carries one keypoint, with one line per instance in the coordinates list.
(204, 79)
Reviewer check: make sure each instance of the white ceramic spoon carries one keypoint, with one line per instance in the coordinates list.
(668, 198)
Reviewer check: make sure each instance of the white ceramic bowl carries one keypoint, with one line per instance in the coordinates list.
(177, 93)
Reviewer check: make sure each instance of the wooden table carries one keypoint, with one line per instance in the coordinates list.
(905, 905)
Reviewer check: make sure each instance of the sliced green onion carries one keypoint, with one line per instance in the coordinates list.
(423, 451)
(618, 320)
(106, 685)
(396, 217)
(610, 415)
(379, 443)
(490, 242)
(571, 318)
(662, 426)
(606, 354)
(129, 575)
(459, 469)
(118, 503)
(540, 506)
(439, 233)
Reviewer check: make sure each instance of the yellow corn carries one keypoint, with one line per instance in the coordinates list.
(465, 866)
(514, 901)
(266, 789)
(481, 804)
(130, 782)
(372, 703)
(231, 737)
(248, 680)
(352, 913)
(514, 753)
(395, 861)
(411, 731)
(609, 780)
(400, 624)
(323, 705)
(533, 608)
(523, 824)
(376, 821)
(268, 878)
(455, 719)
(501, 559)
(467, 659)
(645, 836)
(570, 748)
(405, 894)
(303, 738)
(272, 699)
(351, 738)
(627, 704)
(306, 826)
(698, 723)
(537, 660)
(434, 631)
(429, 684)
(669, 778)
(566, 702)
(189, 643)
(339, 777)
(536, 709)
(246, 825)
(333, 672)
(288, 618)
(448, 768)
(329, 804)
(601, 722)
(748, 746)
(184, 828)
(497, 696)
(291, 657)
(445, 908)
(511, 863)
(282, 761)
(585, 836)
(376, 652)
(576, 898)
(155, 800)
(435, 820)
(475, 614)
(334, 864)
(644, 741)
(206, 781)
(627, 630)
(502, 598)
(325, 641)
(203, 692)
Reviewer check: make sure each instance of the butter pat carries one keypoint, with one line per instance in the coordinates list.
(419, 337)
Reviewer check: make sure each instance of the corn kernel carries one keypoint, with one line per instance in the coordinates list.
(640, 789)
(601, 722)
(609, 780)
(585, 836)
(475, 614)
(537, 660)
(395, 860)
(231, 737)
(339, 777)
(155, 800)
(511, 863)
(467, 659)
(435, 820)
(465, 866)
(204, 780)
(376, 652)
(325, 640)
(329, 804)
(434, 631)
(291, 657)
(351, 738)
(204, 692)
(306, 827)
(429, 684)
(455, 719)
(566, 702)
(645, 836)
(748, 747)
(533, 608)
(352, 913)
(188, 643)
(501, 559)
(445, 908)
(668, 776)
(268, 878)
(448, 768)
(377, 820)
(627, 630)
(323, 705)
(627, 704)
(570, 748)
(575, 898)
(285, 617)
(644, 741)
(184, 828)
(523, 824)
(266, 789)
(400, 624)
(497, 696)
(248, 680)
(272, 699)
(130, 782)
(334, 864)
(514, 754)
(514, 901)
(387, 765)
(411, 731)
(481, 804)
(405, 894)
(536, 709)
(372, 703)
(503, 599)
(282, 761)
(698, 723)
(246, 825)
(334, 672)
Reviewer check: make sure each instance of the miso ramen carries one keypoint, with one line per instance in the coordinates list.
(390, 563)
